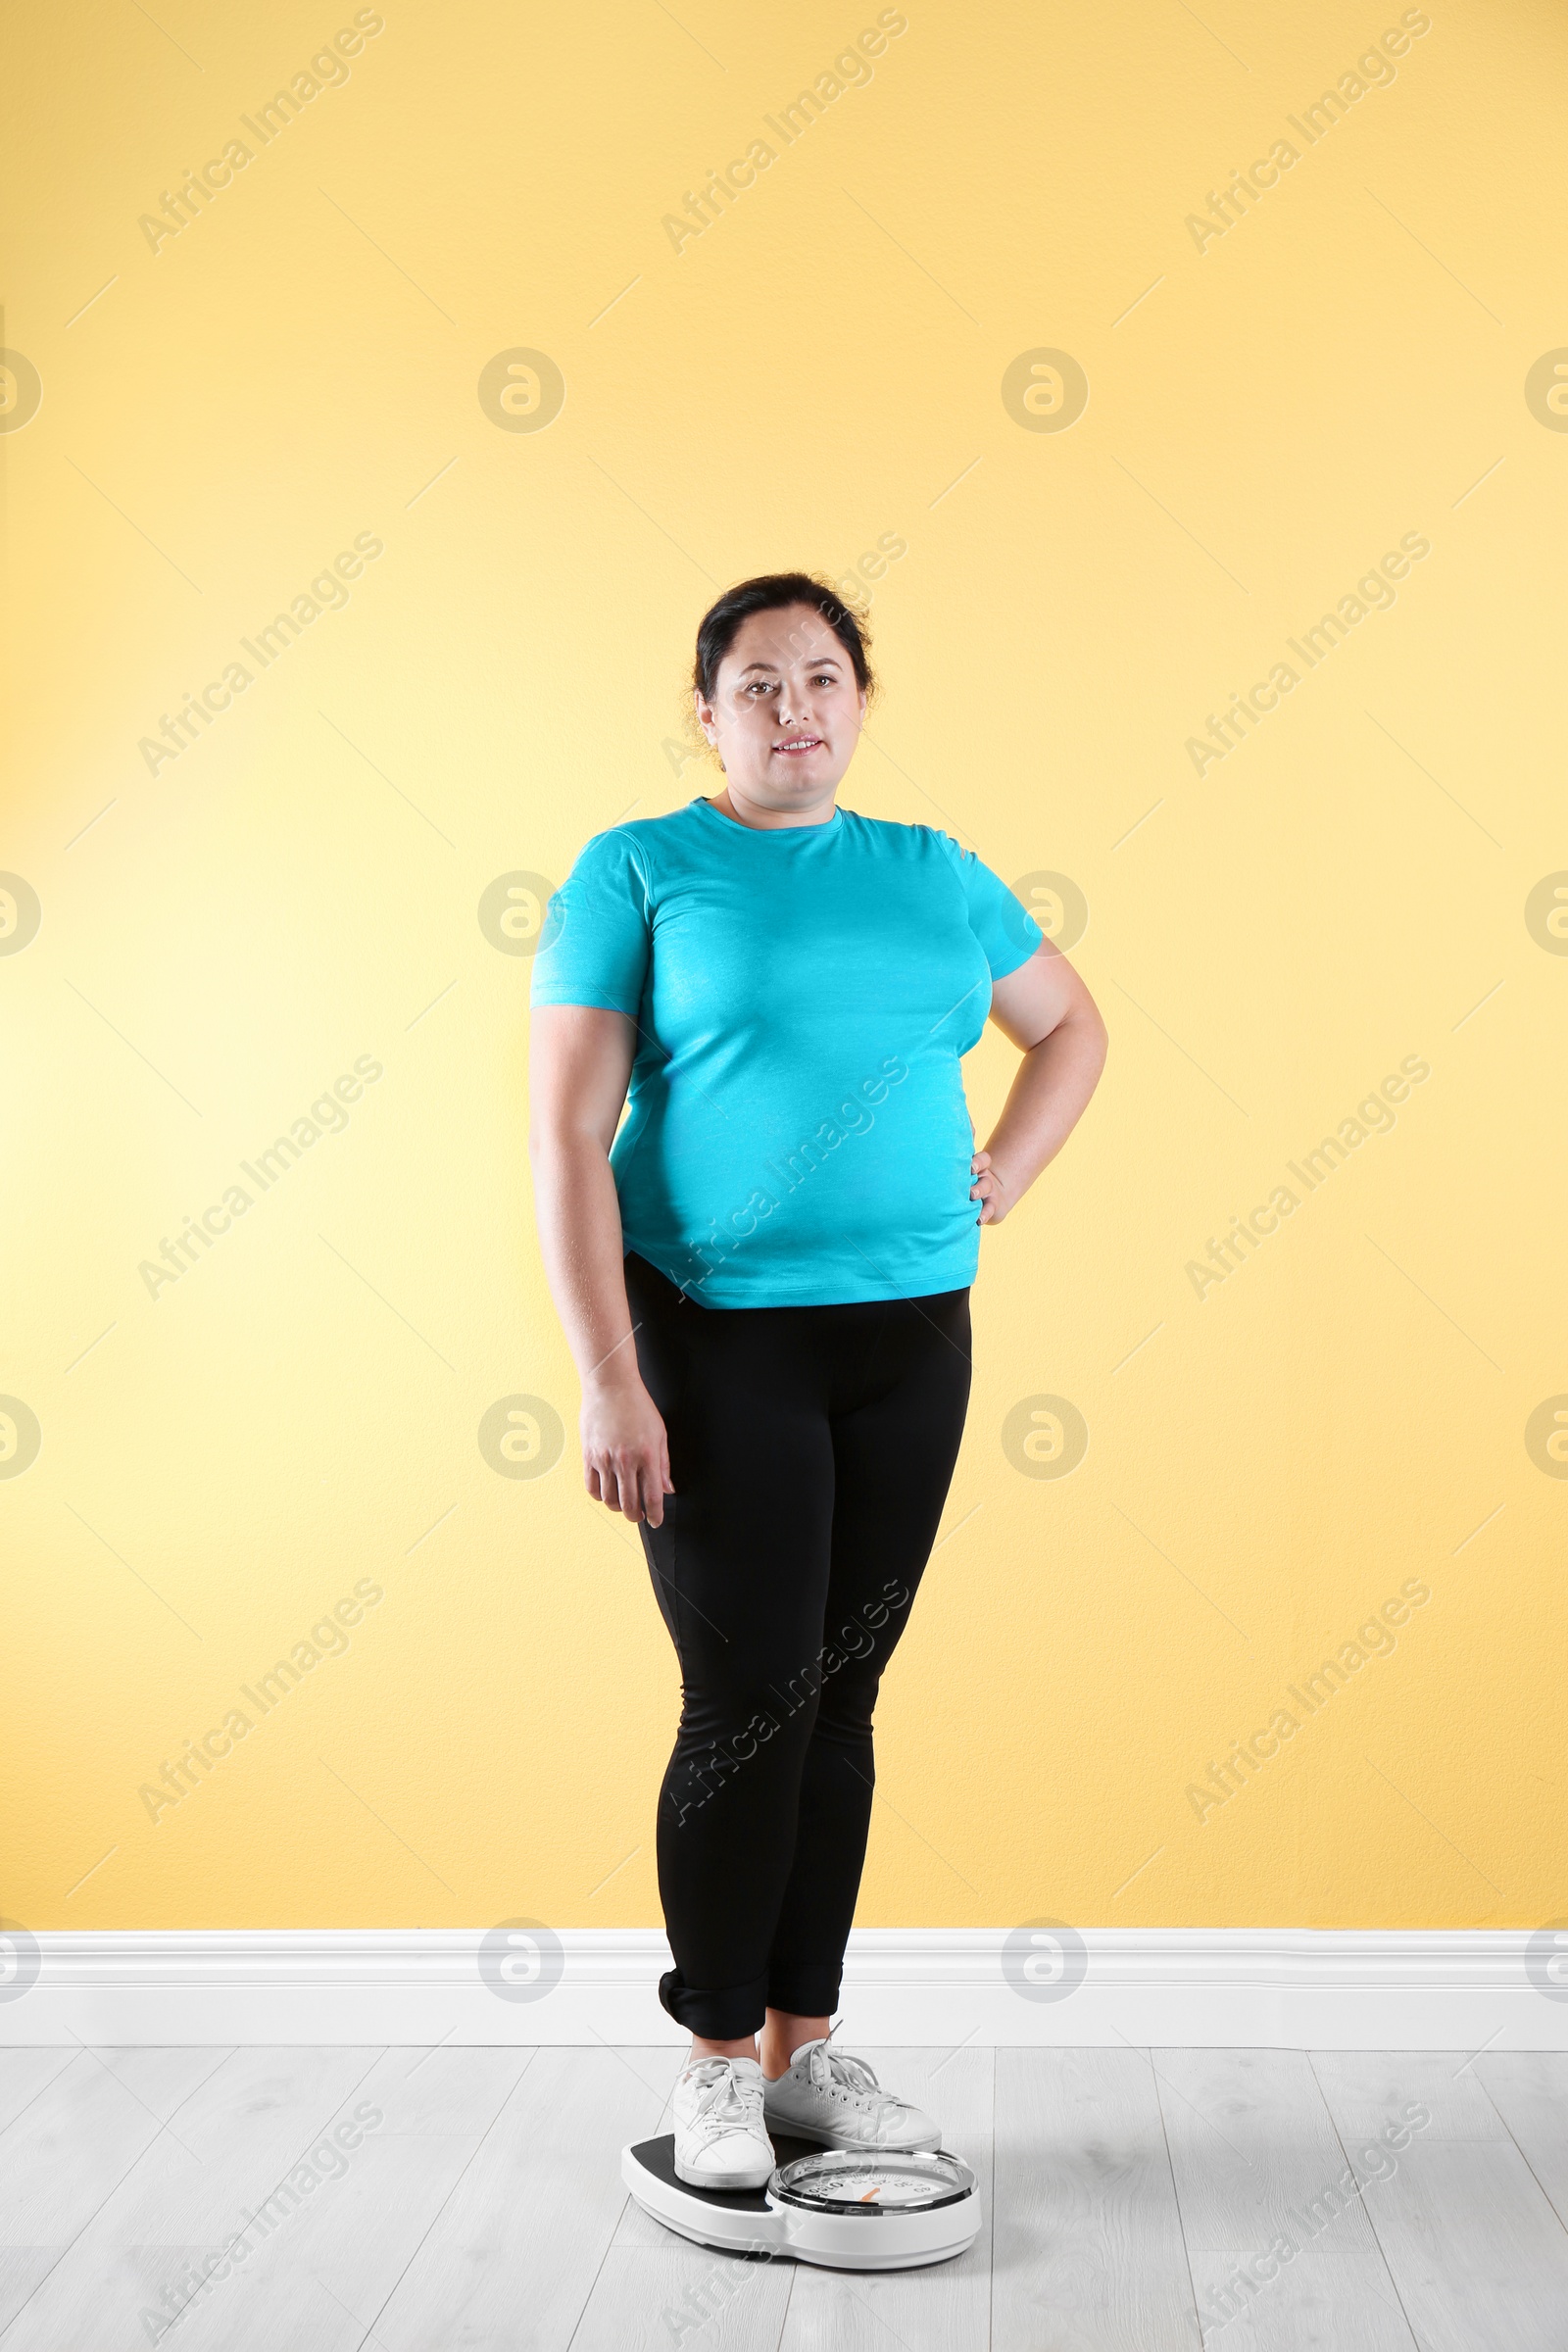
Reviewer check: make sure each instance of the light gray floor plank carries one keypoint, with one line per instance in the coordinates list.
(71, 2145)
(25, 2075)
(1475, 2248)
(1366, 2088)
(1283, 2254)
(240, 2133)
(1087, 2250)
(335, 2251)
(1530, 2091)
(647, 2298)
(521, 2247)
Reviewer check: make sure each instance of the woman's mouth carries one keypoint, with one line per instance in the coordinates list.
(795, 746)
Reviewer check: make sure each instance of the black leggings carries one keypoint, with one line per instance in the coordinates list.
(811, 1449)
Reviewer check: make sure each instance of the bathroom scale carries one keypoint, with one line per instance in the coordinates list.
(845, 2209)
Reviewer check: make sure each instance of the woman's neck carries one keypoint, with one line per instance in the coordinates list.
(762, 819)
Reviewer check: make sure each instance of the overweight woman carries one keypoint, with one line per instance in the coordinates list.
(764, 1277)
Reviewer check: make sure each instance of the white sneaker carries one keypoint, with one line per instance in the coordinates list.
(720, 2133)
(835, 2099)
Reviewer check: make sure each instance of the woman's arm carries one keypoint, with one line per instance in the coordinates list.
(579, 1065)
(1048, 1012)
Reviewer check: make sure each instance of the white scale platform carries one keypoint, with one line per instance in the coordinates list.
(837, 2207)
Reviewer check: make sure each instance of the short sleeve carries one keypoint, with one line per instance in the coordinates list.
(999, 919)
(594, 941)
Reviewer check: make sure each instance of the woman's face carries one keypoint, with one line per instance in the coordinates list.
(786, 711)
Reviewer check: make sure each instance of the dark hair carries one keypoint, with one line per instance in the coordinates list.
(770, 593)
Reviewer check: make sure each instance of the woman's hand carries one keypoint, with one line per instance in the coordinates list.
(988, 1189)
(625, 1451)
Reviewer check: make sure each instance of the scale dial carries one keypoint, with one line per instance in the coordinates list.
(846, 2181)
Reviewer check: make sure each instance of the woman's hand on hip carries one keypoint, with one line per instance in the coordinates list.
(625, 1451)
(988, 1189)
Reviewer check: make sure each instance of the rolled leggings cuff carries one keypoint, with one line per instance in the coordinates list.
(806, 1991)
(721, 2014)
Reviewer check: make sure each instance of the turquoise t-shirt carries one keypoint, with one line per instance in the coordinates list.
(795, 1132)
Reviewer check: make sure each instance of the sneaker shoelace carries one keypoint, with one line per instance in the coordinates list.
(724, 2105)
(857, 2077)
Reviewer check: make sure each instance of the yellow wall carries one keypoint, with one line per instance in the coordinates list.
(226, 933)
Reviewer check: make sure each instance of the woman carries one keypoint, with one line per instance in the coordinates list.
(765, 1289)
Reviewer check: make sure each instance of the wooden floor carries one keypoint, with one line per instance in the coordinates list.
(1124, 2190)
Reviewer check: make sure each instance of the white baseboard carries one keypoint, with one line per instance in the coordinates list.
(936, 1987)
